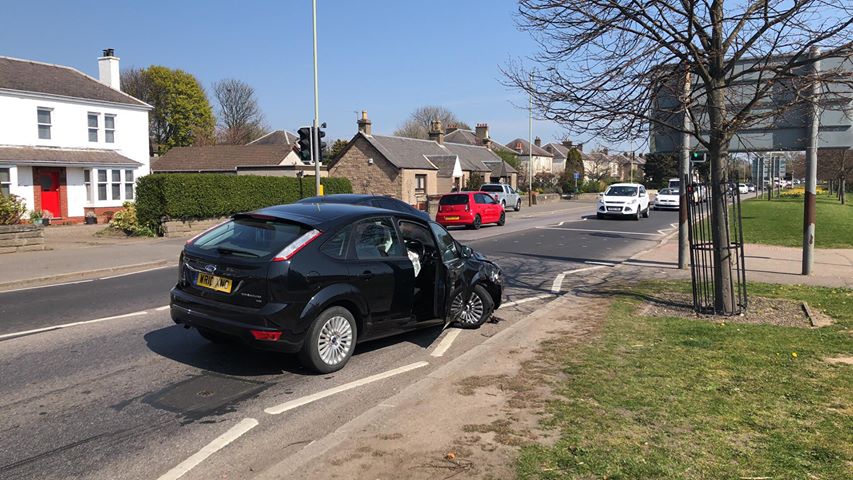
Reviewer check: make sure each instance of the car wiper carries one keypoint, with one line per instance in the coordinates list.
(234, 251)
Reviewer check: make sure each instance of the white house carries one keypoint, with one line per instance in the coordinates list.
(70, 144)
(542, 161)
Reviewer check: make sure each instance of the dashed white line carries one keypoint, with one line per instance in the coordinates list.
(525, 300)
(593, 262)
(341, 388)
(74, 324)
(449, 336)
(217, 444)
(160, 309)
(558, 282)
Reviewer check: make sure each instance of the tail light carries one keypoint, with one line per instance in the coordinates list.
(297, 245)
(266, 335)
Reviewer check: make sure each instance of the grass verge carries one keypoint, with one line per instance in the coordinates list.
(780, 222)
(692, 399)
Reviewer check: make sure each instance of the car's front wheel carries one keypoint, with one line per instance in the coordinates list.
(646, 213)
(518, 205)
(330, 341)
(475, 311)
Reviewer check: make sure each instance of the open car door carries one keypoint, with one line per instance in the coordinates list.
(452, 282)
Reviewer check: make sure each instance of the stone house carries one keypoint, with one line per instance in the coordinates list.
(501, 172)
(541, 160)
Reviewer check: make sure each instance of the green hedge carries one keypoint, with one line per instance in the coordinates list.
(194, 196)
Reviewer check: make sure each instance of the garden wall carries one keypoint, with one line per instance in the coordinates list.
(21, 238)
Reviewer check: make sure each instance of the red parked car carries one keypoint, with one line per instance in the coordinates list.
(471, 209)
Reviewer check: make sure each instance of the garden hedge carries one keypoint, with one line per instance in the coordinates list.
(196, 196)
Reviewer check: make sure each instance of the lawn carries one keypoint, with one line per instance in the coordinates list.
(780, 222)
(692, 399)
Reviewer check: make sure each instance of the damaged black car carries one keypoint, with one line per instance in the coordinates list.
(317, 279)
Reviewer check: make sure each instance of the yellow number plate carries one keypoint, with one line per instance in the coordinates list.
(453, 218)
(220, 284)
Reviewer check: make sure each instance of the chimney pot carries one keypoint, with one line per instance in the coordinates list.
(108, 71)
(436, 133)
(364, 124)
(537, 141)
(482, 133)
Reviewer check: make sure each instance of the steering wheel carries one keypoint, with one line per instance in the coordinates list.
(415, 246)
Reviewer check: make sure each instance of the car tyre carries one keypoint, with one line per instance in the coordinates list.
(502, 220)
(599, 216)
(518, 205)
(214, 337)
(330, 341)
(479, 308)
(503, 204)
(477, 222)
(646, 213)
(637, 215)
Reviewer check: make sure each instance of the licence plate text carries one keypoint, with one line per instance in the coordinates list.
(220, 284)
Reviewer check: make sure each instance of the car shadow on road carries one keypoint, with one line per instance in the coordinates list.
(187, 347)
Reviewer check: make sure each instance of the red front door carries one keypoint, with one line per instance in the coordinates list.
(49, 181)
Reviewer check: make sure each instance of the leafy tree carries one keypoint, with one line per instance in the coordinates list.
(420, 121)
(509, 157)
(240, 119)
(337, 148)
(574, 163)
(475, 181)
(182, 114)
(659, 169)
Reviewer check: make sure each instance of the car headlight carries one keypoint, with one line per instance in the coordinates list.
(495, 275)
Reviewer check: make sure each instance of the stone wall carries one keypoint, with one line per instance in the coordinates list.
(179, 229)
(377, 177)
(21, 238)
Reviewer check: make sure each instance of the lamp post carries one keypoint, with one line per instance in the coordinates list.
(315, 149)
(530, 145)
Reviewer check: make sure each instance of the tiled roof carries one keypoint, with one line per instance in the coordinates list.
(218, 158)
(525, 148)
(277, 137)
(64, 156)
(37, 77)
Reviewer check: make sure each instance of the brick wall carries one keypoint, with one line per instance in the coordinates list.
(21, 238)
(381, 177)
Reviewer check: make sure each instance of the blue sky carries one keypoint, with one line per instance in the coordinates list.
(388, 57)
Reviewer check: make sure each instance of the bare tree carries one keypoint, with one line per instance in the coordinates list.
(240, 119)
(419, 122)
(602, 66)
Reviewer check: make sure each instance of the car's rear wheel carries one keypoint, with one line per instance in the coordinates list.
(502, 220)
(503, 204)
(475, 312)
(646, 213)
(518, 205)
(330, 341)
(214, 337)
(477, 222)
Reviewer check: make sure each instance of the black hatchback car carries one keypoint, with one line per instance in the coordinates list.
(318, 278)
(368, 200)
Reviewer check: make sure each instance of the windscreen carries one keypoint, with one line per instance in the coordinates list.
(453, 200)
(492, 188)
(621, 191)
(249, 238)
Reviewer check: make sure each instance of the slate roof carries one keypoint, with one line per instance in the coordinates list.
(277, 137)
(405, 152)
(64, 156)
(37, 77)
(445, 164)
(472, 157)
(219, 158)
(501, 169)
(560, 151)
(470, 138)
(525, 148)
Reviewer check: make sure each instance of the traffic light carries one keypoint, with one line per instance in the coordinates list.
(697, 157)
(322, 148)
(305, 143)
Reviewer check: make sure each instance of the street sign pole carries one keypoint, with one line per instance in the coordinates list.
(315, 142)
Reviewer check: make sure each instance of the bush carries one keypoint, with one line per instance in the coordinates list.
(126, 221)
(12, 208)
(191, 196)
(592, 186)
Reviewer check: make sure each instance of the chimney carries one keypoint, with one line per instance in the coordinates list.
(537, 141)
(364, 123)
(605, 150)
(482, 133)
(108, 72)
(451, 128)
(436, 133)
(568, 144)
(519, 147)
(579, 147)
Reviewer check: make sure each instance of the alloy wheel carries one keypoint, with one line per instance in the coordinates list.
(469, 313)
(335, 340)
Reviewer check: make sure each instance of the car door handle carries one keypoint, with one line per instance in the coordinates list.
(366, 275)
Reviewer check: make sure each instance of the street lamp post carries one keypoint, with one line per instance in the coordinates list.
(315, 149)
(530, 146)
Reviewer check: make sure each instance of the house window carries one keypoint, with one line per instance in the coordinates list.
(5, 181)
(87, 182)
(102, 184)
(128, 184)
(44, 123)
(93, 127)
(420, 183)
(115, 184)
(110, 128)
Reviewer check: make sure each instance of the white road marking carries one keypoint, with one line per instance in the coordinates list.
(598, 231)
(446, 342)
(217, 444)
(160, 309)
(593, 262)
(341, 388)
(134, 273)
(74, 324)
(558, 282)
(525, 300)
(45, 286)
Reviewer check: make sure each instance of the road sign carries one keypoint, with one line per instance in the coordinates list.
(577, 175)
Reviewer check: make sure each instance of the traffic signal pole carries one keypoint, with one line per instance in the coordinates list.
(315, 142)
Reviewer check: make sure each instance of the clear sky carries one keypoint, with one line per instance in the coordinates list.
(387, 57)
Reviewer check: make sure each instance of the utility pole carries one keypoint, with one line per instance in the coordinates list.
(530, 145)
(684, 176)
(315, 142)
(810, 204)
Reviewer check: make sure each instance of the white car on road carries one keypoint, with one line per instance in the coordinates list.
(623, 200)
(667, 198)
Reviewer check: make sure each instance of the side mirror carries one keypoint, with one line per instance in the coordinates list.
(467, 252)
(601, 194)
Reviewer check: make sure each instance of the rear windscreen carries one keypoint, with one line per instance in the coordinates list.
(492, 188)
(453, 200)
(249, 238)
